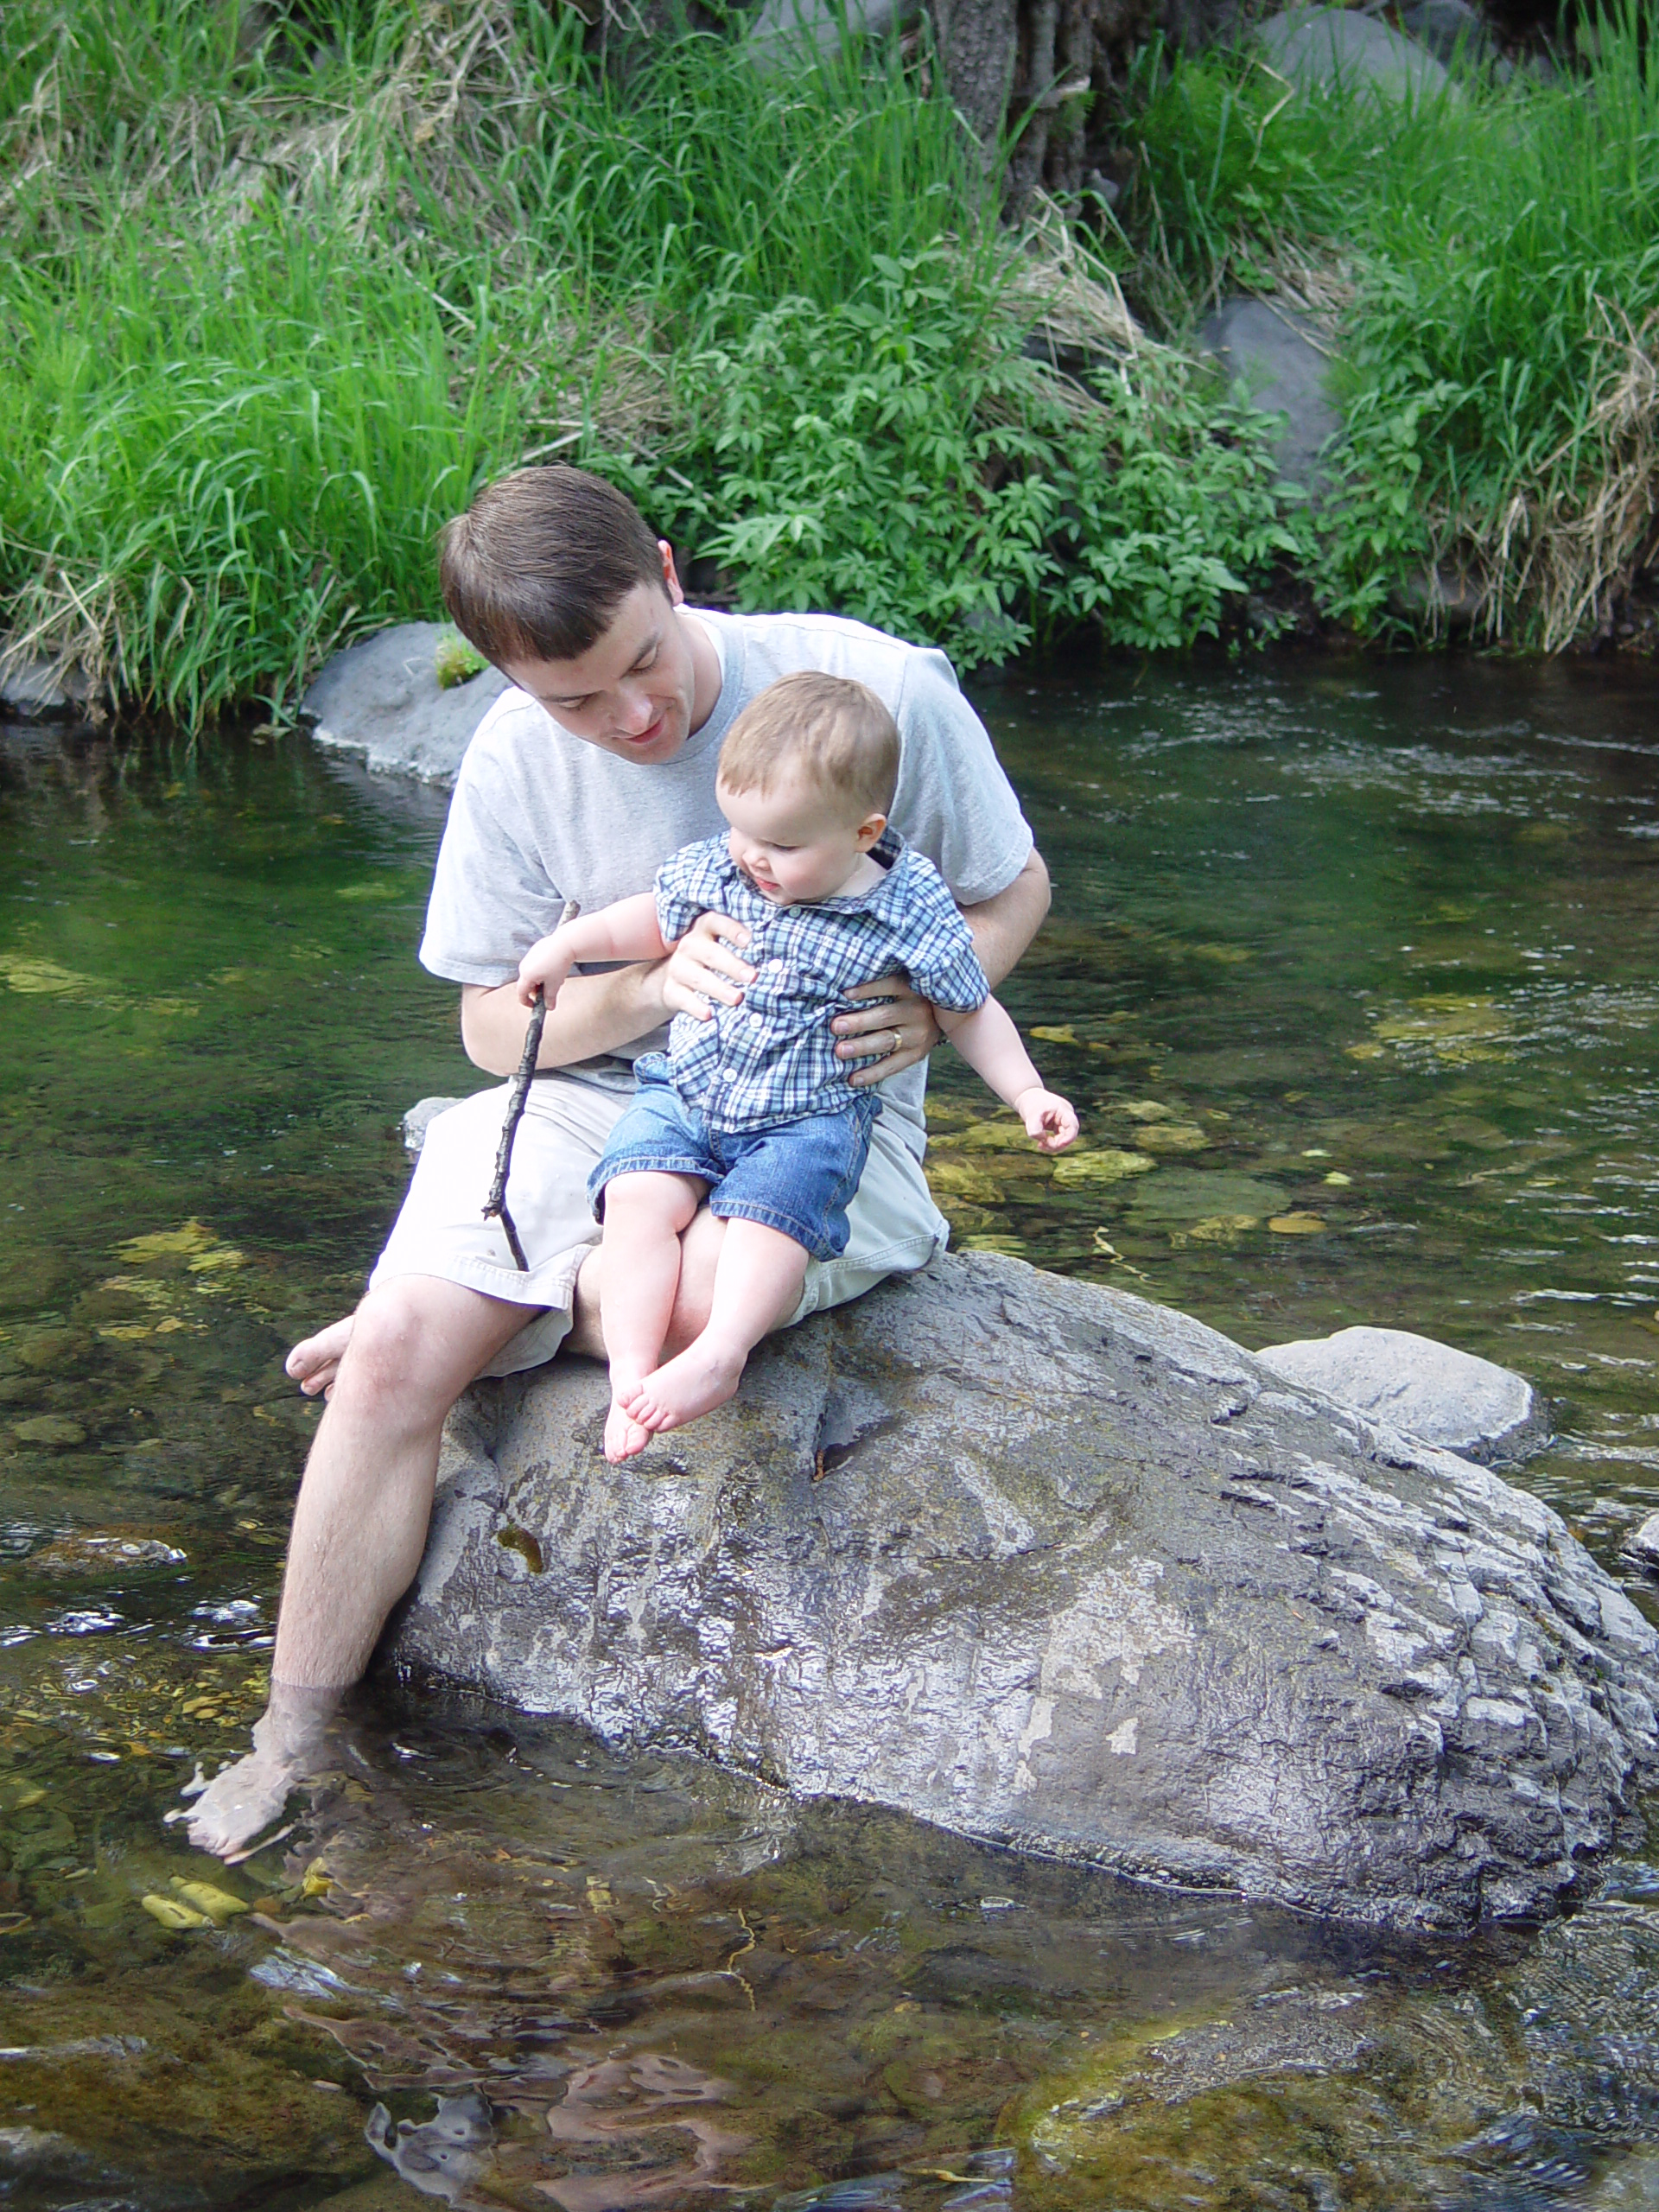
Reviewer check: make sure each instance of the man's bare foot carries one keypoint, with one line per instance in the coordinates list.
(315, 1361)
(624, 1435)
(239, 1802)
(703, 1376)
(249, 1795)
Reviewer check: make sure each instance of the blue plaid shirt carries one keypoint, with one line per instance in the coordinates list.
(772, 1059)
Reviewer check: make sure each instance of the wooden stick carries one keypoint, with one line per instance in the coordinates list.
(495, 1206)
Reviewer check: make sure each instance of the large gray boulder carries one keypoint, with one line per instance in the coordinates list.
(1273, 367)
(1318, 48)
(1452, 1399)
(1451, 29)
(380, 701)
(1044, 1563)
(782, 26)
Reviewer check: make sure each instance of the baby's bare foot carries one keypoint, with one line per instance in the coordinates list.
(314, 1362)
(703, 1376)
(624, 1436)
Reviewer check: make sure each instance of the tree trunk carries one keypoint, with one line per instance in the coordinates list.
(1032, 70)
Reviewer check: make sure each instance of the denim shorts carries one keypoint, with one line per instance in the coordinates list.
(797, 1178)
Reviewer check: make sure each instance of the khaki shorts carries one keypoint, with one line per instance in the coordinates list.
(895, 1226)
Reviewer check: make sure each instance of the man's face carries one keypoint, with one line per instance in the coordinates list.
(632, 692)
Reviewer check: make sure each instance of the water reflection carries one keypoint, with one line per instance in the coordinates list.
(1352, 975)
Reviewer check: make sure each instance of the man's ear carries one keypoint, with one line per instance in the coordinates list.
(671, 579)
(870, 829)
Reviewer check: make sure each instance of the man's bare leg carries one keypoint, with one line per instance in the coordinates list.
(645, 1215)
(360, 1525)
(757, 1285)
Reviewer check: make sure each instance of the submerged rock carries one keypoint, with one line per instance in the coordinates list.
(1448, 1398)
(381, 701)
(1047, 1564)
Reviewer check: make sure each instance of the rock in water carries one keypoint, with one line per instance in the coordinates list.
(381, 701)
(1042, 1562)
(1447, 1398)
(419, 1118)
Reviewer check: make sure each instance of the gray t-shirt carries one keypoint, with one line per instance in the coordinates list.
(539, 815)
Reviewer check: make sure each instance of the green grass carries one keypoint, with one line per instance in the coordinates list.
(273, 312)
(274, 305)
(1495, 264)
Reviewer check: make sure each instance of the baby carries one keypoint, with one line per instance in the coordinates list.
(750, 1106)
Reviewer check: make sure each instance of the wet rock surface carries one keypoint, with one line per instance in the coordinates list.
(419, 1120)
(1448, 1398)
(380, 701)
(1047, 1564)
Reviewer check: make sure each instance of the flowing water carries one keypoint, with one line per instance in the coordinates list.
(1353, 968)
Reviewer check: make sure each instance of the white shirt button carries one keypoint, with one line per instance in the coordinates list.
(776, 966)
(756, 1021)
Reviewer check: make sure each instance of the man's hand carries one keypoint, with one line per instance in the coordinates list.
(893, 1024)
(901, 1028)
(707, 965)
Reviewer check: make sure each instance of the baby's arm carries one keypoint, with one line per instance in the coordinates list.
(988, 1041)
(627, 930)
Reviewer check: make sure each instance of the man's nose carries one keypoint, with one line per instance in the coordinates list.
(638, 712)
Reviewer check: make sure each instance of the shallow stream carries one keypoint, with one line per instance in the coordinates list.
(1358, 970)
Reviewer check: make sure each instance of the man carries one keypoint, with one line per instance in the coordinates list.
(580, 781)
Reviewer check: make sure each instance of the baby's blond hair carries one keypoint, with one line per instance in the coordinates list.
(837, 731)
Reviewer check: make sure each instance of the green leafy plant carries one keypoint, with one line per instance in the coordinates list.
(898, 459)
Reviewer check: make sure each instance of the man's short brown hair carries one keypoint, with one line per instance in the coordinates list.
(837, 731)
(537, 566)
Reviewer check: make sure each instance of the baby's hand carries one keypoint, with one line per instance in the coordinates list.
(545, 967)
(1048, 1117)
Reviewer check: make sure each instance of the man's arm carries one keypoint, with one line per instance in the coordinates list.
(593, 1014)
(1002, 928)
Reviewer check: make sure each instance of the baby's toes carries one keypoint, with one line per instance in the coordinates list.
(623, 1435)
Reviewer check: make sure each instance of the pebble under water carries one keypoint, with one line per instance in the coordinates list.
(1352, 973)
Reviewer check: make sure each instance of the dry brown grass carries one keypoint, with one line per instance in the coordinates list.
(1574, 544)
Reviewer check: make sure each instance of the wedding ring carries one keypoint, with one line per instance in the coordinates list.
(897, 1036)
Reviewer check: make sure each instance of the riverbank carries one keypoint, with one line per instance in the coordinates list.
(282, 288)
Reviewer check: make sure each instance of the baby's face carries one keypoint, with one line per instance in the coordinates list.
(791, 841)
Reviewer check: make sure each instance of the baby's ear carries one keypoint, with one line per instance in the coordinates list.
(870, 829)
